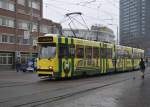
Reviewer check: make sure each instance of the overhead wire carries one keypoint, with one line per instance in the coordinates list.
(67, 10)
(78, 4)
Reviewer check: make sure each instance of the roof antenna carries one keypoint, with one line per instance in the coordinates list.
(72, 18)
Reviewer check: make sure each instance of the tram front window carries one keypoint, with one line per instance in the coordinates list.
(47, 51)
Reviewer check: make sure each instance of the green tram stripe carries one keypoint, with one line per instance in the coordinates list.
(67, 53)
(103, 65)
(66, 44)
(124, 66)
(60, 59)
(106, 61)
(103, 61)
(72, 58)
(100, 58)
(115, 57)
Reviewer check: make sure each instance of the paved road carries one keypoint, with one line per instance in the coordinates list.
(121, 90)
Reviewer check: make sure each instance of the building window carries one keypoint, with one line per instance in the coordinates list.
(6, 58)
(10, 23)
(48, 29)
(11, 39)
(4, 22)
(11, 7)
(35, 4)
(23, 41)
(7, 38)
(44, 29)
(7, 22)
(7, 5)
(23, 25)
(22, 2)
(4, 38)
(34, 27)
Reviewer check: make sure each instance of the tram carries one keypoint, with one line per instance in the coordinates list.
(66, 57)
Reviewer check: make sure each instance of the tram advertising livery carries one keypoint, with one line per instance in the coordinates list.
(61, 57)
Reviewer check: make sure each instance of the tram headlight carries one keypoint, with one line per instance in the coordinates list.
(51, 68)
(38, 67)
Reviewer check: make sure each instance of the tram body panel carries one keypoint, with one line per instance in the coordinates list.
(63, 57)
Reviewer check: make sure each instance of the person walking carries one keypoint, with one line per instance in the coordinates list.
(142, 67)
(146, 61)
(18, 65)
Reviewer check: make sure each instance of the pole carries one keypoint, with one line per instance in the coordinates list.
(31, 26)
(117, 35)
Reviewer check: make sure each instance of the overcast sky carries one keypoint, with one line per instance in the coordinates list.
(103, 12)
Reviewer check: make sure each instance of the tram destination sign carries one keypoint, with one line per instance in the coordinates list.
(45, 39)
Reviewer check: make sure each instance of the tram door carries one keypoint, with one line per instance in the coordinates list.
(103, 58)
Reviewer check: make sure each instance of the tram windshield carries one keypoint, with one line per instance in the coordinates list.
(47, 51)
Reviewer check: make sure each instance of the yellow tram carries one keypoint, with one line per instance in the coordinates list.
(61, 57)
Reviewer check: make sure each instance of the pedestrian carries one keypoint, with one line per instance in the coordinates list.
(18, 65)
(142, 67)
(146, 61)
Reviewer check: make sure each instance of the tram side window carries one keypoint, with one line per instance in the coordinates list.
(142, 55)
(79, 51)
(88, 55)
(109, 53)
(128, 55)
(103, 52)
(95, 53)
(134, 55)
(63, 51)
(120, 53)
(88, 52)
(71, 51)
(125, 54)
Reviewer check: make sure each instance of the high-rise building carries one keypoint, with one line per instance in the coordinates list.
(21, 22)
(135, 23)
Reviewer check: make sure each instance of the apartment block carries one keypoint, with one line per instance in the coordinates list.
(21, 22)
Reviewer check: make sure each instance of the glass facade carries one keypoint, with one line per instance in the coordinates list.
(134, 22)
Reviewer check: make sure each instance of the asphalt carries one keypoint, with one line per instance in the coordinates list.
(131, 93)
(121, 90)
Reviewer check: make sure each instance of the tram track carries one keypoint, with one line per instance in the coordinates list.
(17, 84)
(39, 92)
(60, 97)
(66, 95)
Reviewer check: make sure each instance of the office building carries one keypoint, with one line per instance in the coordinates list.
(135, 24)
